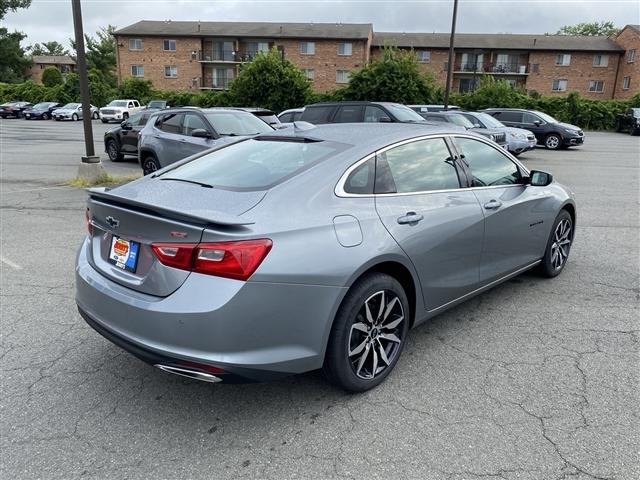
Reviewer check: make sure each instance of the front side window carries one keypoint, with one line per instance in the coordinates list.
(600, 60)
(420, 166)
(135, 44)
(531, 119)
(137, 71)
(193, 122)
(171, 71)
(374, 114)
(488, 165)
(169, 45)
(559, 86)
(345, 48)
(563, 59)
(307, 48)
(596, 86)
(342, 76)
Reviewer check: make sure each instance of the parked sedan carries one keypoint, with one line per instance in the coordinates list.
(123, 139)
(73, 111)
(13, 109)
(318, 248)
(41, 110)
(456, 118)
(518, 139)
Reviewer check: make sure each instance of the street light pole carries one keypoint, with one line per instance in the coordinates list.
(451, 55)
(84, 85)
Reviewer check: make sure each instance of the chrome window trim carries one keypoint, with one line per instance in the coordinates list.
(339, 190)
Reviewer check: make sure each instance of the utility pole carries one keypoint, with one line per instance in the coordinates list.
(90, 168)
(451, 55)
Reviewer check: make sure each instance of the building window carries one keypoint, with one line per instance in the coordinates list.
(307, 48)
(600, 60)
(309, 74)
(342, 76)
(563, 59)
(424, 56)
(137, 71)
(559, 86)
(253, 48)
(41, 66)
(596, 86)
(170, 71)
(535, 68)
(345, 48)
(631, 55)
(169, 45)
(626, 83)
(135, 44)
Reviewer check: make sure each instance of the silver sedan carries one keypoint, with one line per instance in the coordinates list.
(309, 248)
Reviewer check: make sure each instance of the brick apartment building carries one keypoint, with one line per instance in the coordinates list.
(207, 55)
(63, 63)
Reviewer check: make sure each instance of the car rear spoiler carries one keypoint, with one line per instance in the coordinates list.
(203, 217)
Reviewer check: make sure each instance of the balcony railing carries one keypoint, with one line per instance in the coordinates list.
(222, 56)
(496, 68)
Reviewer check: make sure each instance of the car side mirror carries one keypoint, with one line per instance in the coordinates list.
(384, 119)
(540, 179)
(126, 125)
(537, 123)
(201, 133)
(477, 125)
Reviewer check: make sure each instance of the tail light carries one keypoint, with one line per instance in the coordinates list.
(237, 260)
(87, 219)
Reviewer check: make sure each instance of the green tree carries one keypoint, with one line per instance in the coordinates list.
(605, 28)
(269, 81)
(136, 88)
(395, 77)
(13, 62)
(47, 48)
(100, 52)
(51, 77)
(12, 5)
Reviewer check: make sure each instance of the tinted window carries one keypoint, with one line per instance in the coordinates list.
(403, 113)
(508, 116)
(237, 123)
(286, 117)
(193, 122)
(435, 118)
(421, 166)
(172, 123)
(296, 116)
(530, 118)
(253, 164)
(374, 114)
(361, 179)
(460, 120)
(488, 165)
(317, 114)
(138, 119)
(349, 114)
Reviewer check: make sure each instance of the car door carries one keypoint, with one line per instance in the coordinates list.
(129, 137)
(438, 224)
(516, 222)
(167, 138)
(534, 124)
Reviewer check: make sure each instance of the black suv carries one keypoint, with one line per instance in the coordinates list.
(359, 112)
(123, 139)
(457, 118)
(548, 131)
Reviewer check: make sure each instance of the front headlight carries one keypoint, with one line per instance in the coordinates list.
(492, 137)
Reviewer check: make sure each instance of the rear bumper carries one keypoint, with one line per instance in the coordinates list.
(252, 330)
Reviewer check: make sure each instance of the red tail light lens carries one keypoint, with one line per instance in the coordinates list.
(87, 219)
(237, 260)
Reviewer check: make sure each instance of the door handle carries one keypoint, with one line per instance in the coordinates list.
(409, 218)
(493, 204)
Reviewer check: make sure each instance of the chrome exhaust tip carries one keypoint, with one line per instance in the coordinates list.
(185, 372)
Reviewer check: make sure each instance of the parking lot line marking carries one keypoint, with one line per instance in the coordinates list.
(34, 189)
(10, 263)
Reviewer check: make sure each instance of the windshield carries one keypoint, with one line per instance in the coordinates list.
(460, 120)
(236, 123)
(42, 105)
(403, 113)
(268, 118)
(71, 106)
(253, 164)
(118, 103)
(545, 117)
(489, 121)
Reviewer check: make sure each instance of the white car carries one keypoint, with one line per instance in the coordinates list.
(119, 110)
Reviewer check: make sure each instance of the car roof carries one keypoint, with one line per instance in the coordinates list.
(507, 109)
(352, 102)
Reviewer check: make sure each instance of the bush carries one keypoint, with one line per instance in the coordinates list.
(51, 77)
(137, 89)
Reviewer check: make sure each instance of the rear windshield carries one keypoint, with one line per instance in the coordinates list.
(253, 164)
(269, 118)
(118, 103)
(237, 123)
(157, 104)
(403, 113)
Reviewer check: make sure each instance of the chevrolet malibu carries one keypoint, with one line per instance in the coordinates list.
(313, 247)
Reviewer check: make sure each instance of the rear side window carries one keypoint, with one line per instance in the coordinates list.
(349, 114)
(286, 117)
(374, 114)
(254, 164)
(360, 181)
(317, 114)
(508, 116)
(420, 166)
(488, 165)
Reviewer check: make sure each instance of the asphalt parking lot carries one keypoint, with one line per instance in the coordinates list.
(536, 379)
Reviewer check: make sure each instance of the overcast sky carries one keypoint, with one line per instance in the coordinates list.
(51, 19)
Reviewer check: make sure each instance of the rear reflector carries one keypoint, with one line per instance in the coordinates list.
(237, 260)
(87, 219)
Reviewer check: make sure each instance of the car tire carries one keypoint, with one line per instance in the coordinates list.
(113, 151)
(104, 120)
(95, 115)
(125, 116)
(633, 130)
(553, 141)
(75, 117)
(150, 164)
(368, 333)
(45, 116)
(558, 246)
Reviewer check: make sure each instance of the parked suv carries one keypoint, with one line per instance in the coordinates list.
(177, 133)
(518, 139)
(460, 120)
(630, 121)
(123, 139)
(358, 112)
(119, 110)
(548, 131)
